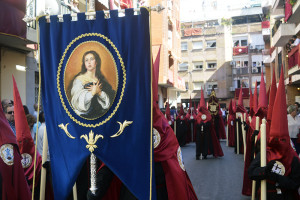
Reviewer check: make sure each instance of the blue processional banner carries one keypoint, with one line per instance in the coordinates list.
(96, 90)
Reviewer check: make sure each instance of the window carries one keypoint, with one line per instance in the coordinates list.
(211, 65)
(170, 41)
(198, 85)
(245, 83)
(183, 66)
(241, 62)
(187, 85)
(259, 47)
(184, 46)
(198, 65)
(236, 43)
(244, 43)
(211, 86)
(211, 44)
(197, 45)
(240, 41)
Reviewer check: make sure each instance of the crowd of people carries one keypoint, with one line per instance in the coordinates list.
(203, 125)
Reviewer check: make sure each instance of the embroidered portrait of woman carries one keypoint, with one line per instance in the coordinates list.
(89, 92)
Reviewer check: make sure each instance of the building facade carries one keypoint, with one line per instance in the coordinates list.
(284, 24)
(235, 60)
(206, 54)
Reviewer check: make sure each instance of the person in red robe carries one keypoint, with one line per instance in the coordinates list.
(282, 171)
(222, 130)
(231, 125)
(13, 183)
(181, 127)
(207, 142)
(260, 110)
(240, 111)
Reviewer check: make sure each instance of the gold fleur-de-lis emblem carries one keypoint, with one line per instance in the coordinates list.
(91, 146)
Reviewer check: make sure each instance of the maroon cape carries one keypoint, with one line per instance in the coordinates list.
(218, 152)
(222, 132)
(168, 153)
(14, 184)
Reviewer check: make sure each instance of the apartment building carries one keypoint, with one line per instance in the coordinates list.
(248, 49)
(165, 33)
(284, 24)
(206, 54)
(235, 60)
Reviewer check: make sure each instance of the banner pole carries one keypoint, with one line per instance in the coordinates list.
(93, 173)
(43, 171)
(263, 158)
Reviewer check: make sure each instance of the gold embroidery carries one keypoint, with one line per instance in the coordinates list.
(91, 141)
(65, 128)
(122, 127)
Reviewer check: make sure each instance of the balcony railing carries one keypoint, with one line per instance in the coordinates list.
(240, 50)
(275, 27)
(240, 71)
(294, 57)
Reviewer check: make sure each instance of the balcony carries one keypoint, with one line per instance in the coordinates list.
(240, 50)
(240, 71)
(181, 84)
(295, 17)
(294, 61)
(295, 79)
(265, 29)
(283, 34)
(277, 5)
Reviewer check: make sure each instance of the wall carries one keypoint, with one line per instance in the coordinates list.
(32, 67)
(9, 60)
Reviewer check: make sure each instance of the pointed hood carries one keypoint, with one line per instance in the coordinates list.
(155, 76)
(202, 100)
(168, 112)
(251, 111)
(24, 139)
(240, 102)
(230, 110)
(273, 91)
(181, 112)
(240, 106)
(255, 102)
(234, 106)
(195, 109)
(263, 101)
(279, 141)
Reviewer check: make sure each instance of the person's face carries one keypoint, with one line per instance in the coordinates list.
(294, 113)
(296, 106)
(90, 62)
(10, 114)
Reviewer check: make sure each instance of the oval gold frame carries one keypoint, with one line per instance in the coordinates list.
(59, 73)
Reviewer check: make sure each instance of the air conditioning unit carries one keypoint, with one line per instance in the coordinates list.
(232, 89)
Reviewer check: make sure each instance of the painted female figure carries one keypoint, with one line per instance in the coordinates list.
(91, 94)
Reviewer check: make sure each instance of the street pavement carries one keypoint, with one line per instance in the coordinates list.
(215, 178)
